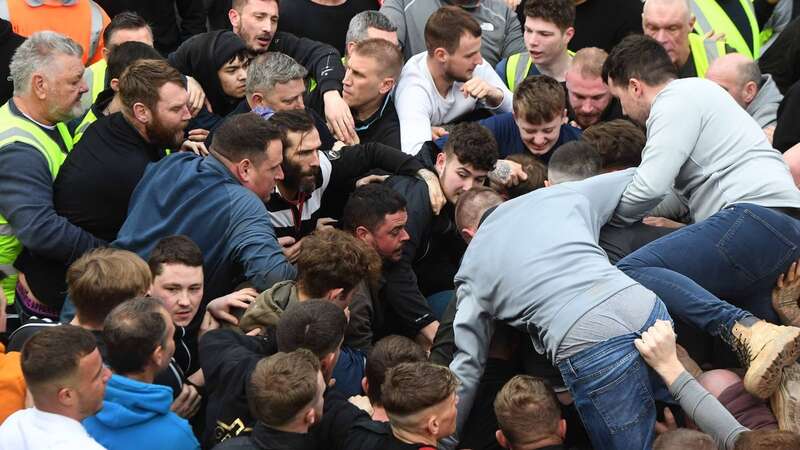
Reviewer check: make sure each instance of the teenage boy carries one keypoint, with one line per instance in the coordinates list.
(548, 30)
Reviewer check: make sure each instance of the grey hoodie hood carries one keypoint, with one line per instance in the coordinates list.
(764, 108)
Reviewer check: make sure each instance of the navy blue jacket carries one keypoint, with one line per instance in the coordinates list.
(198, 197)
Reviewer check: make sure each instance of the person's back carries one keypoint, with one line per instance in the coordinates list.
(236, 237)
(138, 334)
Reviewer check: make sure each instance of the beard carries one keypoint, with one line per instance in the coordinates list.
(251, 39)
(163, 136)
(296, 179)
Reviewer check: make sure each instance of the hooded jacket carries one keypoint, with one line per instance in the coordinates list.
(137, 415)
(9, 41)
(201, 57)
(764, 107)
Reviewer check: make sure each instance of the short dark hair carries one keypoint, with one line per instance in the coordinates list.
(527, 410)
(473, 144)
(141, 81)
(473, 204)
(281, 385)
(446, 26)
(316, 325)
(331, 259)
(620, 143)
(126, 20)
(641, 57)
(559, 12)
(539, 99)
(387, 353)
(103, 278)
(54, 354)
(294, 121)
(368, 206)
(176, 249)
(536, 171)
(573, 161)
(132, 332)
(125, 54)
(767, 440)
(244, 136)
(412, 387)
(239, 4)
(686, 439)
(388, 55)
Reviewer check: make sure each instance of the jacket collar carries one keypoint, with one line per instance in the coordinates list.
(270, 438)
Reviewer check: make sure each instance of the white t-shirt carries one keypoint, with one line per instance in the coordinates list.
(32, 429)
(420, 106)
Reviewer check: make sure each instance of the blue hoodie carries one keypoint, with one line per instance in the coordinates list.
(136, 415)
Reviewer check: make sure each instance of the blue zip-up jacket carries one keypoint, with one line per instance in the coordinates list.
(136, 415)
(198, 197)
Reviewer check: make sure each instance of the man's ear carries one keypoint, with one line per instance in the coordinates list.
(66, 396)
(243, 169)
(562, 428)
(635, 87)
(569, 33)
(386, 85)
(441, 159)
(234, 18)
(363, 234)
(564, 116)
(326, 363)
(158, 356)
(547, 183)
(39, 85)
(335, 295)
(440, 54)
(750, 91)
(467, 234)
(141, 113)
(310, 417)
(432, 425)
(501, 438)
(365, 385)
(114, 84)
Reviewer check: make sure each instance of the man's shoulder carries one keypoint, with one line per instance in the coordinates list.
(237, 443)
(25, 332)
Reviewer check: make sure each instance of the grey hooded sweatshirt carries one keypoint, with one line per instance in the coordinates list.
(764, 107)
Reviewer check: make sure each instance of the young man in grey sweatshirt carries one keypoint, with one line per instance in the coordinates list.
(737, 187)
(535, 263)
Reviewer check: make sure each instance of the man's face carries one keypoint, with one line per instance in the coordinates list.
(632, 103)
(390, 235)
(457, 178)
(284, 96)
(391, 36)
(142, 35)
(261, 177)
(233, 76)
(544, 40)
(256, 23)
(64, 87)
(364, 81)
(181, 289)
(169, 344)
(170, 116)
(301, 164)
(461, 64)
(92, 379)
(588, 96)
(540, 138)
(319, 400)
(669, 24)
(447, 417)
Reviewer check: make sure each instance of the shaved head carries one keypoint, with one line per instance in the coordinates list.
(737, 74)
(681, 6)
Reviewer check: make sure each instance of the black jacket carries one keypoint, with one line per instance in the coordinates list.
(9, 41)
(383, 127)
(787, 133)
(201, 57)
(227, 358)
(322, 61)
(371, 435)
(266, 438)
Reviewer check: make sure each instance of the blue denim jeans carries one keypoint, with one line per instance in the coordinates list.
(615, 391)
(735, 255)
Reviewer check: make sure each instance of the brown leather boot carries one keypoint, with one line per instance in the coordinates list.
(765, 349)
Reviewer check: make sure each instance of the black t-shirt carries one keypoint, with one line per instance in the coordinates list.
(322, 23)
(782, 59)
(604, 23)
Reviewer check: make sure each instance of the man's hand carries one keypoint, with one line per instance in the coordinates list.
(507, 173)
(220, 308)
(197, 97)
(512, 4)
(369, 179)
(291, 247)
(198, 135)
(770, 132)
(662, 222)
(669, 423)
(325, 223)
(657, 347)
(198, 148)
(437, 132)
(427, 335)
(362, 402)
(714, 36)
(482, 90)
(187, 403)
(438, 200)
(339, 117)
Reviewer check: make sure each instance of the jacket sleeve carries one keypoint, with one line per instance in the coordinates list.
(254, 245)
(401, 294)
(227, 356)
(603, 193)
(322, 61)
(473, 328)
(193, 18)
(394, 11)
(414, 113)
(358, 160)
(26, 201)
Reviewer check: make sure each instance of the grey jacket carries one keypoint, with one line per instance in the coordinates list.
(764, 107)
(535, 264)
(709, 149)
(502, 35)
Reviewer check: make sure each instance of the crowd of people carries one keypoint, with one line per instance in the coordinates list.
(400, 224)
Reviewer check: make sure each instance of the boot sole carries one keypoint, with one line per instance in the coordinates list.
(785, 401)
(763, 379)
